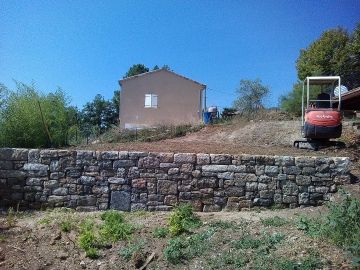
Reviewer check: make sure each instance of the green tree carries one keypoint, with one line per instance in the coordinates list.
(335, 52)
(33, 119)
(135, 70)
(116, 102)
(3, 96)
(156, 67)
(292, 101)
(99, 113)
(251, 94)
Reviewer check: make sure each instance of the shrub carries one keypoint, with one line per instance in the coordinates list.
(128, 251)
(114, 228)
(32, 119)
(160, 232)
(341, 225)
(66, 225)
(182, 219)
(181, 248)
(87, 239)
(274, 221)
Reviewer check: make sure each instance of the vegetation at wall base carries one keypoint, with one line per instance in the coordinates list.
(341, 225)
(182, 219)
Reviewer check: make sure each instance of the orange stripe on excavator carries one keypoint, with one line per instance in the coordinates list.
(323, 117)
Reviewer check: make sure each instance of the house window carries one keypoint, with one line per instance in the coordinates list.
(151, 101)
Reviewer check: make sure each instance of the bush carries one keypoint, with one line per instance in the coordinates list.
(31, 119)
(341, 225)
(114, 228)
(160, 232)
(182, 219)
(181, 248)
(87, 239)
(274, 221)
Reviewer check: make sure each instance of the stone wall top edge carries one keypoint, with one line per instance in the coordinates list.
(5, 151)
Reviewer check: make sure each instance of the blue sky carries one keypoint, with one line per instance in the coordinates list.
(85, 47)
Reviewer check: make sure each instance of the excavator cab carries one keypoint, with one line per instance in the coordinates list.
(321, 119)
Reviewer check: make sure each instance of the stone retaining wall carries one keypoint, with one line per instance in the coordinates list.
(91, 180)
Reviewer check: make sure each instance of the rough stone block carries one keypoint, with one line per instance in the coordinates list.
(186, 168)
(184, 158)
(166, 187)
(220, 159)
(60, 191)
(35, 167)
(123, 163)
(271, 170)
(139, 183)
(149, 162)
(215, 168)
(111, 155)
(292, 170)
(203, 159)
(87, 180)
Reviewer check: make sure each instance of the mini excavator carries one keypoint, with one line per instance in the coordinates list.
(321, 119)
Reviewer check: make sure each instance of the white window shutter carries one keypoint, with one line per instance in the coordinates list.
(154, 101)
(147, 100)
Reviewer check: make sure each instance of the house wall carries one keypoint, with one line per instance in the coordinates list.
(179, 100)
(92, 180)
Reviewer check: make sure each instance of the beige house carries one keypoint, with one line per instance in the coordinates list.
(160, 97)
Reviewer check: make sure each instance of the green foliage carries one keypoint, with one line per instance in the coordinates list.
(228, 259)
(335, 52)
(136, 69)
(182, 248)
(309, 262)
(114, 228)
(127, 251)
(335, 225)
(33, 119)
(100, 113)
(275, 221)
(182, 219)
(264, 243)
(310, 226)
(160, 232)
(87, 239)
(66, 225)
(251, 94)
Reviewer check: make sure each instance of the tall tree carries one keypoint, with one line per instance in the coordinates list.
(251, 94)
(333, 53)
(99, 113)
(135, 70)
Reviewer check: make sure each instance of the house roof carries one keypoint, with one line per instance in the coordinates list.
(351, 100)
(158, 70)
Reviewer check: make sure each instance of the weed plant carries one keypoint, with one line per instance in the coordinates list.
(127, 251)
(183, 248)
(341, 225)
(182, 219)
(160, 232)
(275, 221)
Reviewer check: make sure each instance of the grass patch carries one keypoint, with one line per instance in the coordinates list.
(113, 228)
(341, 225)
(182, 219)
(275, 221)
(128, 251)
(66, 225)
(309, 262)
(182, 248)
(160, 232)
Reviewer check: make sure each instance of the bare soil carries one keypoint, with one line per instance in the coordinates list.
(257, 137)
(35, 240)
